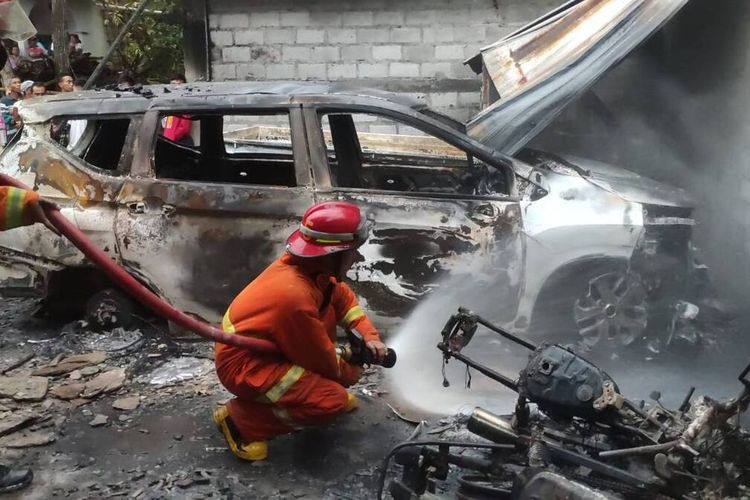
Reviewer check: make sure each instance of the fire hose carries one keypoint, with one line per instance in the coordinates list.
(357, 352)
(139, 292)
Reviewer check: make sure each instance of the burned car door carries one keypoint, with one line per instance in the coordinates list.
(439, 212)
(79, 162)
(213, 207)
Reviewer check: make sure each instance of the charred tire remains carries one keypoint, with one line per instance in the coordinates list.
(109, 309)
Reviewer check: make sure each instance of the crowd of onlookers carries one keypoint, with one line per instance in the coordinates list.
(176, 128)
(67, 132)
(18, 90)
(34, 48)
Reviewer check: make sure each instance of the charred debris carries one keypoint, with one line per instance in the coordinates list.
(574, 435)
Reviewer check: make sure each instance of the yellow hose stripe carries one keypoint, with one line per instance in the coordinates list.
(352, 315)
(291, 376)
(226, 324)
(14, 208)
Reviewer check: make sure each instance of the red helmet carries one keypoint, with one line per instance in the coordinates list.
(328, 227)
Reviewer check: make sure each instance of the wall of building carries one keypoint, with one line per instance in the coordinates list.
(87, 21)
(82, 17)
(414, 46)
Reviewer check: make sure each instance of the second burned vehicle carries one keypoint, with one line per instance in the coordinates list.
(574, 435)
(196, 220)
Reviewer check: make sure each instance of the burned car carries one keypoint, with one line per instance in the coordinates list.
(608, 252)
(617, 243)
(196, 220)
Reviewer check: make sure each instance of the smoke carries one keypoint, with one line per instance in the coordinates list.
(417, 381)
(675, 111)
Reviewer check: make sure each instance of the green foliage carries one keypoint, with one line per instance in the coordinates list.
(152, 49)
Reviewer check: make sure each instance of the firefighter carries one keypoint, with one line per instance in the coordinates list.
(296, 303)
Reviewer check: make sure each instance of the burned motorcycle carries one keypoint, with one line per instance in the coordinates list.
(573, 435)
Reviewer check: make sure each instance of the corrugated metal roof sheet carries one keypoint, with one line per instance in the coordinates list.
(542, 67)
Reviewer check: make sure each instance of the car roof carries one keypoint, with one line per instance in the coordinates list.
(140, 99)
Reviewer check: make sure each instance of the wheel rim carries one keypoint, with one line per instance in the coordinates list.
(614, 309)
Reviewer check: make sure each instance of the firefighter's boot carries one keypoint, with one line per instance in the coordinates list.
(352, 403)
(252, 451)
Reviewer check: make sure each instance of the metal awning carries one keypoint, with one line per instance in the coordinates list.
(536, 71)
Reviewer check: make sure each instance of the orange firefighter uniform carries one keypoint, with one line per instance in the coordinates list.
(297, 305)
(14, 207)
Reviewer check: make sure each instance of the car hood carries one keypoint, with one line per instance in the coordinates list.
(535, 72)
(626, 184)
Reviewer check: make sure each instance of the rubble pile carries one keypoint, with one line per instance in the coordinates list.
(105, 378)
(39, 386)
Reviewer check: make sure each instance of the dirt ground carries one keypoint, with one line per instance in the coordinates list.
(131, 418)
(167, 446)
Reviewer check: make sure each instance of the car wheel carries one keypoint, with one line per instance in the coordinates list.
(109, 309)
(613, 310)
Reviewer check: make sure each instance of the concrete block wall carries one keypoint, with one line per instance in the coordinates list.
(413, 46)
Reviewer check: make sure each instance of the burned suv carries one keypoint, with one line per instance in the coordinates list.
(196, 220)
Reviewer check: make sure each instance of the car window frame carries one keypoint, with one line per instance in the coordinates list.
(313, 113)
(151, 126)
(124, 164)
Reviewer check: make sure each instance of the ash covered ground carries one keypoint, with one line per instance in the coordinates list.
(137, 424)
(133, 420)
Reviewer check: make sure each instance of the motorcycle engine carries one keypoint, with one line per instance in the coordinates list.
(562, 383)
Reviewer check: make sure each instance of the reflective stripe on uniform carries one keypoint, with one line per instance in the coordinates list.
(13, 209)
(226, 324)
(287, 380)
(352, 315)
(283, 415)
